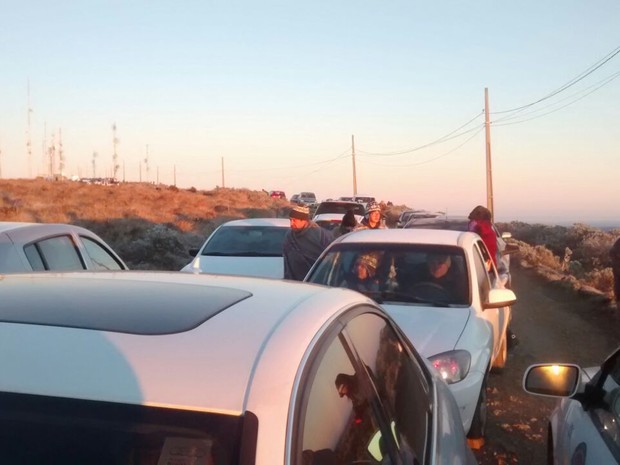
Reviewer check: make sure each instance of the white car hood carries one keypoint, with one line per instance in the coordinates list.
(264, 267)
(432, 330)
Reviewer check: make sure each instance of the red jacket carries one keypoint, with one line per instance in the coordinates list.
(485, 230)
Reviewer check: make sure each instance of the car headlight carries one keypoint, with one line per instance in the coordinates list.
(452, 366)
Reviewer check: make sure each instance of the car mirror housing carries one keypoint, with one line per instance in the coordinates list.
(552, 380)
(500, 298)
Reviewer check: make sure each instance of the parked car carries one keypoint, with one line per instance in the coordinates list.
(406, 215)
(250, 247)
(363, 199)
(460, 223)
(170, 368)
(584, 427)
(294, 199)
(277, 195)
(329, 213)
(53, 247)
(458, 322)
(307, 198)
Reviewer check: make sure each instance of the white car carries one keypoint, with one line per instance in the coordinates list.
(53, 247)
(329, 213)
(584, 427)
(168, 368)
(250, 247)
(460, 325)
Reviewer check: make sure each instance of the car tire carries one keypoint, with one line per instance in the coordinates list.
(477, 430)
(500, 361)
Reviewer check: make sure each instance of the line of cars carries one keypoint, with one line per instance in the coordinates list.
(452, 336)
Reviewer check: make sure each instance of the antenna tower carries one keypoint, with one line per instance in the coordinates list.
(61, 155)
(28, 137)
(115, 165)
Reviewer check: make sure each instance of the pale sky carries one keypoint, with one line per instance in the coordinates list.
(275, 90)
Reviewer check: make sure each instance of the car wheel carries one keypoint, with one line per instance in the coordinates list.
(500, 361)
(477, 430)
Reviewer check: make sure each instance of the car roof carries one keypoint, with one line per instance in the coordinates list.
(456, 222)
(89, 336)
(278, 222)
(7, 226)
(418, 236)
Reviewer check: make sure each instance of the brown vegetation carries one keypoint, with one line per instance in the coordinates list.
(154, 226)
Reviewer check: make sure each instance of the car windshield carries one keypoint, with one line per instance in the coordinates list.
(55, 431)
(406, 273)
(246, 241)
(340, 208)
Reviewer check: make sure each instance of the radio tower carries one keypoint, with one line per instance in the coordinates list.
(28, 138)
(115, 165)
(61, 155)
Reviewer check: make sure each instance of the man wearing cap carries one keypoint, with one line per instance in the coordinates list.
(373, 218)
(303, 243)
(364, 274)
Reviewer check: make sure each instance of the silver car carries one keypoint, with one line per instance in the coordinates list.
(171, 368)
(584, 427)
(53, 247)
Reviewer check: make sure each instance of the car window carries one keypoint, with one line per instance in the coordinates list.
(100, 256)
(340, 208)
(58, 431)
(366, 400)
(481, 258)
(399, 381)
(246, 241)
(397, 272)
(56, 254)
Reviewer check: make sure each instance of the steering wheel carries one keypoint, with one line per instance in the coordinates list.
(428, 290)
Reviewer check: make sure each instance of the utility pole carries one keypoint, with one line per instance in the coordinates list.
(353, 160)
(94, 164)
(487, 126)
(146, 163)
(174, 175)
(223, 185)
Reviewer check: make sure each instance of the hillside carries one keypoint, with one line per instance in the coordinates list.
(154, 226)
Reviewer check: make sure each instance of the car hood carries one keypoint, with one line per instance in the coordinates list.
(432, 330)
(264, 267)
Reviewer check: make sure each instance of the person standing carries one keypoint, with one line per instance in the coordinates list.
(373, 218)
(303, 243)
(480, 223)
(614, 254)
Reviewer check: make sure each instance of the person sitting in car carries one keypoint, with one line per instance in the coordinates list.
(363, 277)
(439, 280)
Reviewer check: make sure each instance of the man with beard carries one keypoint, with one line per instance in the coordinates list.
(303, 243)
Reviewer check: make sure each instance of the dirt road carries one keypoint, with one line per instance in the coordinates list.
(553, 324)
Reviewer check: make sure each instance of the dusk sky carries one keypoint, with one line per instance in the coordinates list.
(275, 90)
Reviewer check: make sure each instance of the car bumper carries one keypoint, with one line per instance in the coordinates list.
(466, 393)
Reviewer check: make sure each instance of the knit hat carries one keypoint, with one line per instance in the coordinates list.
(301, 212)
(373, 207)
(369, 260)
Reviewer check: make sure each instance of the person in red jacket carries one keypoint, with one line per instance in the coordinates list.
(480, 223)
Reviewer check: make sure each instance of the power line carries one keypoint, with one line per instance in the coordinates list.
(444, 138)
(570, 83)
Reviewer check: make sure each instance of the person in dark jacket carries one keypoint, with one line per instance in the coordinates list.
(373, 218)
(348, 224)
(303, 243)
(614, 254)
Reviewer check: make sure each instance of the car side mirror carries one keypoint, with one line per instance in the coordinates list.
(552, 380)
(500, 298)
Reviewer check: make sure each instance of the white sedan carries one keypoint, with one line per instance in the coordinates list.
(457, 319)
(584, 427)
(169, 368)
(250, 247)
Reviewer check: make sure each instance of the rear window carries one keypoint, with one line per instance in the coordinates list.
(55, 431)
(340, 208)
(246, 241)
